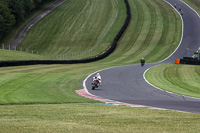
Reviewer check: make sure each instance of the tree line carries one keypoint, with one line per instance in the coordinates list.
(14, 12)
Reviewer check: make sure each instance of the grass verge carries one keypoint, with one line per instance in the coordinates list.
(181, 79)
(43, 83)
(94, 118)
(19, 55)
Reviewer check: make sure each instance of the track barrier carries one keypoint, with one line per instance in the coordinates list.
(188, 60)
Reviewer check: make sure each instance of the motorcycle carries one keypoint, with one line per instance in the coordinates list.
(182, 13)
(142, 61)
(95, 84)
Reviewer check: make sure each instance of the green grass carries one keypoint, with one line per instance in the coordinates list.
(152, 24)
(18, 55)
(76, 27)
(147, 35)
(22, 54)
(181, 79)
(94, 119)
(43, 83)
(154, 33)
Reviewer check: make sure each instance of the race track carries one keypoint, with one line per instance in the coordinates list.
(126, 83)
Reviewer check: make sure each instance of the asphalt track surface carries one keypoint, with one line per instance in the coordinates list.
(126, 83)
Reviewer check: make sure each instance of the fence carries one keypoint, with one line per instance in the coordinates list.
(60, 56)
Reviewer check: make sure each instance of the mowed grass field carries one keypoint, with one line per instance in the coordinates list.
(77, 28)
(181, 79)
(83, 118)
(153, 34)
(56, 84)
(43, 83)
(19, 55)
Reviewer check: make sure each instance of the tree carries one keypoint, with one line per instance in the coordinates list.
(38, 3)
(29, 5)
(17, 9)
(7, 20)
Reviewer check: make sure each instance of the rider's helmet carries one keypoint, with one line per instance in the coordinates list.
(98, 74)
(142, 58)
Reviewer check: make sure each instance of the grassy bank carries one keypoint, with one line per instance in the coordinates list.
(154, 33)
(181, 79)
(77, 28)
(94, 118)
(19, 55)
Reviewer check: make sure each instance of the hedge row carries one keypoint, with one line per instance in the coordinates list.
(87, 60)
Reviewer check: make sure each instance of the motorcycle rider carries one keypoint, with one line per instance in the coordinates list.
(179, 8)
(98, 78)
(181, 12)
(142, 62)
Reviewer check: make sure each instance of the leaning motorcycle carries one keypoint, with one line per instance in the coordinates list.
(95, 84)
